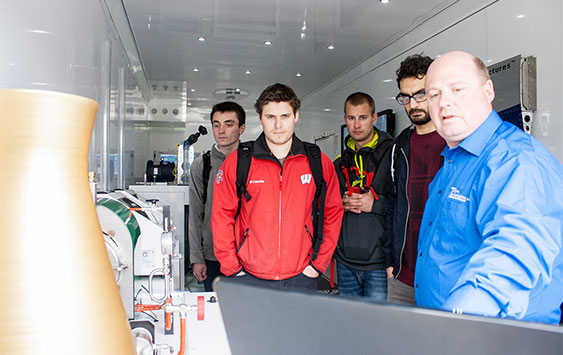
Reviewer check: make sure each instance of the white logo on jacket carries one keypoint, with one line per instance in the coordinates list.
(306, 179)
(219, 177)
(455, 195)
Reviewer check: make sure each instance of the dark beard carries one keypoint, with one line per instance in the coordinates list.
(419, 121)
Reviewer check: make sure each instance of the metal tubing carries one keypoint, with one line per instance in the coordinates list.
(105, 108)
(121, 129)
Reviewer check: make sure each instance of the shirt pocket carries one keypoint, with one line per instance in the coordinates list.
(455, 225)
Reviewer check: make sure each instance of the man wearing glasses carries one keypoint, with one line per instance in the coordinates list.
(415, 159)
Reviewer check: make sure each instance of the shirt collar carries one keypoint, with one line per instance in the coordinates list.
(261, 147)
(217, 152)
(371, 144)
(477, 141)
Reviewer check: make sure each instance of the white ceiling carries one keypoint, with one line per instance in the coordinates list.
(167, 31)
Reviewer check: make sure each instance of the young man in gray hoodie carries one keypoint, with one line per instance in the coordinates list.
(228, 121)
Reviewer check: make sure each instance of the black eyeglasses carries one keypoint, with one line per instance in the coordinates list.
(404, 99)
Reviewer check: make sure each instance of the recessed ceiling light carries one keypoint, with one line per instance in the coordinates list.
(201, 39)
(520, 16)
(189, 103)
(40, 32)
(268, 43)
(387, 80)
(384, 1)
(192, 90)
(248, 72)
(330, 46)
(11, 64)
(326, 110)
(298, 74)
(302, 35)
(195, 69)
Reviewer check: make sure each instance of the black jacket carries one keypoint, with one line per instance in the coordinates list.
(360, 245)
(397, 205)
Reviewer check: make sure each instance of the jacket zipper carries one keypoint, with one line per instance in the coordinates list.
(279, 229)
(243, 240)
(408, 213)
(310, 236)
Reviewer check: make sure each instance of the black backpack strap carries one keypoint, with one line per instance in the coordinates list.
(315, 163)
(206, 172)
(243, 166)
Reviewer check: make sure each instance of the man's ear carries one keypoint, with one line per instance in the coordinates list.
(296, 116)
(374, 118)
(489, 90)
(241, 129)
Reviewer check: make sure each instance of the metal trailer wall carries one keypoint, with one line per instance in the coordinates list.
(72, 47)
(58, 45)
(492, 30)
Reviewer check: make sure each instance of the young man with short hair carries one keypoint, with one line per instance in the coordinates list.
(269, 240)
(362, 169)
(228, 122)
(415, 159)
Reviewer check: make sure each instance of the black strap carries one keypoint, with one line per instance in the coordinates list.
(206, 172)
(244, 158)
(315, 163)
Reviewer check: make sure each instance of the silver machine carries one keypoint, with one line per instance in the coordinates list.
(515, 90)
(144, 233)
(143, 246)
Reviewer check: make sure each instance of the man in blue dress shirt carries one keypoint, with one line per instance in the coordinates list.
(491, 236)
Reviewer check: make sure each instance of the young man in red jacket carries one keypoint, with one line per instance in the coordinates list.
(269, 243)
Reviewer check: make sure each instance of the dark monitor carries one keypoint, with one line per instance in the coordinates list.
(266, 321)
(172, 158)
(385, 122)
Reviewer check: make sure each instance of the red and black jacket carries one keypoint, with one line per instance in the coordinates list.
(272, 236)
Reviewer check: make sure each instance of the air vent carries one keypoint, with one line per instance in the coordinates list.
(230, 94)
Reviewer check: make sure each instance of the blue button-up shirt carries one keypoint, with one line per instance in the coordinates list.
(491, 236)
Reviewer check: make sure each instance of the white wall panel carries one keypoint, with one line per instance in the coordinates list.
(491, 30)
(57, 46)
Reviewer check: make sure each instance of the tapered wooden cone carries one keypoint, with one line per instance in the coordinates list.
(58, 294)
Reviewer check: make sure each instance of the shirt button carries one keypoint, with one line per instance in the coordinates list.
(430, 223)
(419, 254)
(416, 285)
(439, 192)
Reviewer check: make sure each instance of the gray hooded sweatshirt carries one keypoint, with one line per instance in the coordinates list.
(200, 237)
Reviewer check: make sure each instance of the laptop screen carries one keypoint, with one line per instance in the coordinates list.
(262, 321)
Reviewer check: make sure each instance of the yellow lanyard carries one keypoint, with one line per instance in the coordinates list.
(360, 167)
